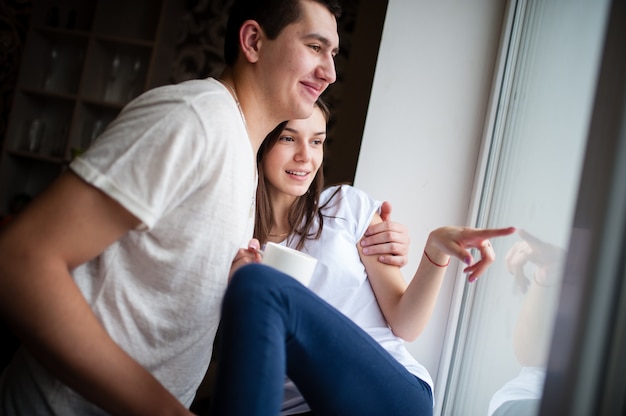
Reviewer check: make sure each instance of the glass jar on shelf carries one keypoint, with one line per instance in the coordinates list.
(33, 135)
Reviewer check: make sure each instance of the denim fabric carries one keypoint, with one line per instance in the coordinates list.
(272, 325)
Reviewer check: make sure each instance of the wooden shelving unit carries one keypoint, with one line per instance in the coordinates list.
(83, 61)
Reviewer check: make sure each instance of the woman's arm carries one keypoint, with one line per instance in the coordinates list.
(534, 326)
(251, 254)
(408, 308)
(406, 315)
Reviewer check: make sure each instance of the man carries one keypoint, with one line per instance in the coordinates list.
(113, 277)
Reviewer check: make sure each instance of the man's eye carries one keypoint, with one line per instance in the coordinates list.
(316, 48)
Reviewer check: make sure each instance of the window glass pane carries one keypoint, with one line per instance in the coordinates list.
(535, 163)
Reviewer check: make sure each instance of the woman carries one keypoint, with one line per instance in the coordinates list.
(341, 339)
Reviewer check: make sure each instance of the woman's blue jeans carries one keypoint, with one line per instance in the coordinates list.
(272, 325)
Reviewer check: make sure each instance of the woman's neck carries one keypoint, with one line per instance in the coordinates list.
(280, 208)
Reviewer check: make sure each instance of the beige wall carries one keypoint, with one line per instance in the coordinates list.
(424, 125)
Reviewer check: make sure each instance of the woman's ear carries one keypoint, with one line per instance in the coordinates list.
(250, 35)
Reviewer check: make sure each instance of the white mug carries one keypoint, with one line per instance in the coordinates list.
(289, 261)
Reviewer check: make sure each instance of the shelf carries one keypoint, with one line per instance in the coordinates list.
(29, 175)
(64, 14)
(41, 123)
(82, 62)
(106, 105)
(61, 96)
(56, 58)
(92, 119)
(125, 41)
(139, 19)
(37, 157)
(115, 72)
(61, 33)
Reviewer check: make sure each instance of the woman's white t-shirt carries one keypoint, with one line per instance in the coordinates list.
(340, 279)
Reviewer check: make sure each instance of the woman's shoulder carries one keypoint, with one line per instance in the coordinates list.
(342, 190)
(345, 197)
(351, 206)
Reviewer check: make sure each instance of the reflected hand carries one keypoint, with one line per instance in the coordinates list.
(456, 242)
(390, 240)
(532, 250)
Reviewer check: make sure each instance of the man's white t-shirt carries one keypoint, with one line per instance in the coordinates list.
(179, 159)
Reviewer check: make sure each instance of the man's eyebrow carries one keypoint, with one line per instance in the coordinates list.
(322, 39)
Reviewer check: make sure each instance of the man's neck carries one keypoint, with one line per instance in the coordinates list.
(254, 108)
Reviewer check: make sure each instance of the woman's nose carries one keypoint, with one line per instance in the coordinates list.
(303, 153)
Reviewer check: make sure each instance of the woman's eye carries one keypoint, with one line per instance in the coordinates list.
(318, 142)
(286, 139)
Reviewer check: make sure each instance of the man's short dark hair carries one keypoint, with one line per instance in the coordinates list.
(272, 15)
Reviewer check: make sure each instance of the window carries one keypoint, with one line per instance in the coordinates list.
(533, 157)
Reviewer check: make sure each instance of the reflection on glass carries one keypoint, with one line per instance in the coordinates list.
(536, 267)
(536, 157)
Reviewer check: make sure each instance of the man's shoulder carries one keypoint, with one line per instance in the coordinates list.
(184, 90)
(198, 98)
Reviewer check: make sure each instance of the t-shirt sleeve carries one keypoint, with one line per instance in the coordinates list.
(148, 159)
(357, 207)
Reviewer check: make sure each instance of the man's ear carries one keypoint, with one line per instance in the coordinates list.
(250, 35)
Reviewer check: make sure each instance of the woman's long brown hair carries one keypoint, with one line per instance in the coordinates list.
(303, 211)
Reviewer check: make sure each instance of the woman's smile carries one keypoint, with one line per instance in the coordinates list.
(299, 175)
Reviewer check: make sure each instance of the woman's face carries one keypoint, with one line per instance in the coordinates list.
(292, 163)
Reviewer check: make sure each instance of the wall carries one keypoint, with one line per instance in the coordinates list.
(424, 125)
(359, 41)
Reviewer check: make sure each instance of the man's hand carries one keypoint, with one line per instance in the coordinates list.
(389, 240)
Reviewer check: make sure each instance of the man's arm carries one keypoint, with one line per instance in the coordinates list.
(69, 224)
(387, 239)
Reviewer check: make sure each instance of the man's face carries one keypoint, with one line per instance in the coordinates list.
(299, 64)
